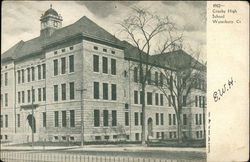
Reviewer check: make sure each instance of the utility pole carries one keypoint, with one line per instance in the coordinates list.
(32, 106)
(82, 124)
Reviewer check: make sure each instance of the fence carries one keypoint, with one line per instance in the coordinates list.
(59, 157)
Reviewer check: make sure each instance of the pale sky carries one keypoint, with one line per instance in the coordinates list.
(20, 20)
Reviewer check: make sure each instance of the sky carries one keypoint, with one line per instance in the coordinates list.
(20, 20)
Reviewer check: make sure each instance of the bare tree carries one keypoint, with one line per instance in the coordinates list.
(187, 74)
(143, 29)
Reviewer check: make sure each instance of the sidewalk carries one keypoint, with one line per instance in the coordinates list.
(112, 148)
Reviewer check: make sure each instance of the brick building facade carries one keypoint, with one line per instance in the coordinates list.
(47, 73)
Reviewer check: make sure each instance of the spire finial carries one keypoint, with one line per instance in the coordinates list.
(50, 5)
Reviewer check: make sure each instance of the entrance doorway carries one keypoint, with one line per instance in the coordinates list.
(33, 127)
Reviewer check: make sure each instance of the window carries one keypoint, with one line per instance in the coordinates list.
(63, 50)
(55, 67)
(105, 65)
(106, 137)
(18, 120)
(162, 118)
(156, 78)
(161, 79)
(1, 121)
(22, 75)
(55, 92)
(72, 118)
(136, 118)
(197, 134)
(157, 134)
(71, 48)
(71, 64)
(169, 119)
(204, 101)
(149, 98)
(141, 75)
(184, 101)
(113, 89)
(96, 90)
(113, 66)
(169, 100)
(71, 90)
(33, 95)
(174, 119)
(18, 77)
(44, 119)
(44, 70)
(196, 119)
(96, 63)
(97, 137)
(28, 91)
(6, 79)
(135, 74)
(204, 120)
(104, 50)
(126, 119)
(23, 97)
(105, 91)
(55, 52)
(6, 99)
(39, 94)
(64, 119)
(114, 118)
(6, 121)
(44, 94)
(33, 73)
(200, 120)
(184, 119)
(105, 118)
(162, 135)
(96, 118)
(39, 72)
(28, 74)
(141, 117)
(156, 99)
(200, 101)
(113, 52)
(141, 97)
(157, 118)
(56, 115)
(196, 101)
(96, 48)
(161, 99)
(63, 65)
(63, 91)
(137, 136)
(149, 77)
(19, 97)
(135, 97)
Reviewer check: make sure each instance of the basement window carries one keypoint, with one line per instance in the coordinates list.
(56, 137)
(97, 137)
(114, 136)
(63, 138)
(106, 137)
(72, 138)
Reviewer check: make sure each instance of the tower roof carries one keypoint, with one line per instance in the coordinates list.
(51, 11)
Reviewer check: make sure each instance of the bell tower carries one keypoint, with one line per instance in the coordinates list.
(50, 21)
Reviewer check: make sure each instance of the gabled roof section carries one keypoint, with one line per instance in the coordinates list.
(11, 53)
(87, 28)
(178, 59)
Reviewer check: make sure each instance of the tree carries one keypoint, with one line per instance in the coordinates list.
(187, 74)
(143, 29)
